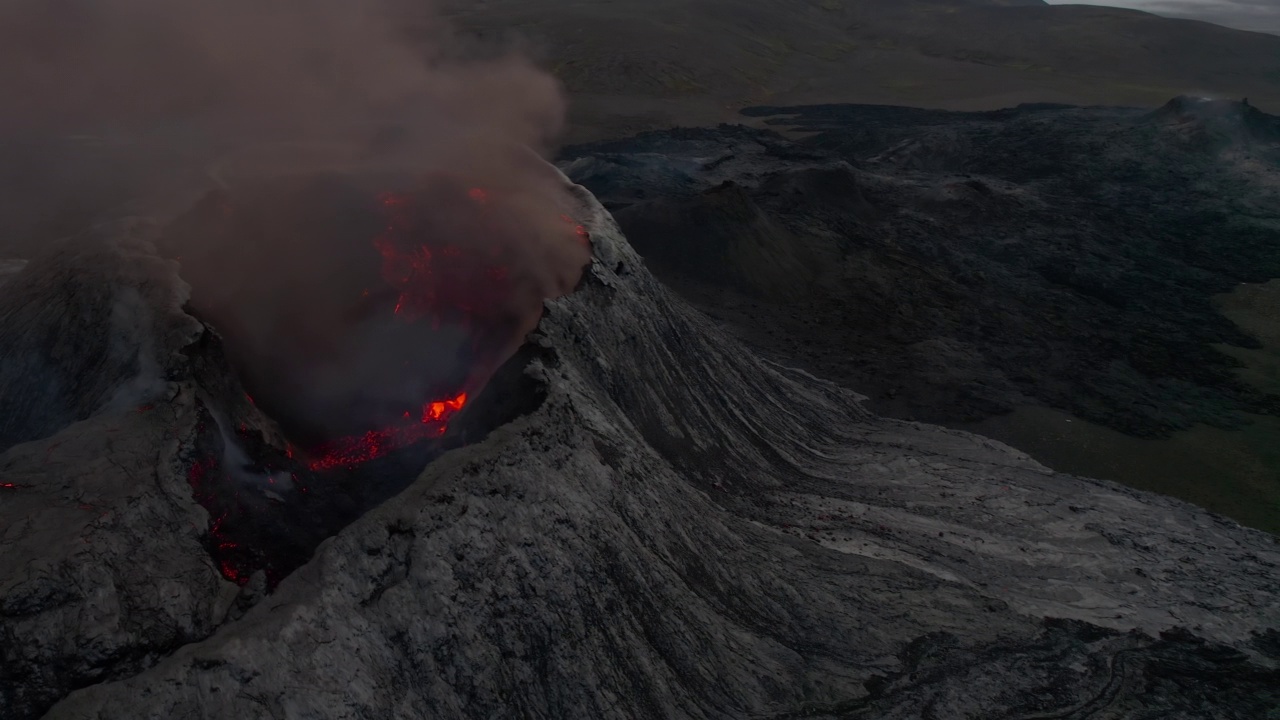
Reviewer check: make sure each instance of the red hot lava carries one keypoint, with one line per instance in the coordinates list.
(228, 555)
(435, 283)
(438, 284)
(350, 452)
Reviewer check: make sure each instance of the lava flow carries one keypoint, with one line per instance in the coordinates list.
(235, 561)
(351, 452)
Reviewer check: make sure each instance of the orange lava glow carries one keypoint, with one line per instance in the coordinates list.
(351, 452)
(438, 282)
(580, 231)
(232, 560)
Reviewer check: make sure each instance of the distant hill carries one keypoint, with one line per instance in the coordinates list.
(632, 65)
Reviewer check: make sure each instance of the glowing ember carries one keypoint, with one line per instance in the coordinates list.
(350, 452)
(229, 518)
(438, 411)
(12, 486)
(440, 283)
(223, 549)
(584, 237)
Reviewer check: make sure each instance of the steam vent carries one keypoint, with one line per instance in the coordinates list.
(599, 505)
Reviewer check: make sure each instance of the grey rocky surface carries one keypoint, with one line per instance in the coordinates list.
(103, 567)
(678, 528)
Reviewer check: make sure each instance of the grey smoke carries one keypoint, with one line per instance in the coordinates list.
(321, 70)
(132, 343)
(178, 97)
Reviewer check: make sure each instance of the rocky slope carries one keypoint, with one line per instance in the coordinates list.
(645, 520)
(104, 566)
(955, 265)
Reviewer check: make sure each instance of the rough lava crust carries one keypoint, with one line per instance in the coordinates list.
(672, 528)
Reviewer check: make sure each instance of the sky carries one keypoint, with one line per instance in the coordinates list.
(1258, 15)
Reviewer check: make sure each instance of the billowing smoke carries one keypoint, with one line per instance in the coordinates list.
(355, 194)
(309, 70)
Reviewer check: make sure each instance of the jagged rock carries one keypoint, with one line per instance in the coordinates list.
(677, 528)
(102, 564)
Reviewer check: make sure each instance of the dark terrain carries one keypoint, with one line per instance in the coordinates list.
(648, 521)
(632, 66)
(955, 266)
(641, 503)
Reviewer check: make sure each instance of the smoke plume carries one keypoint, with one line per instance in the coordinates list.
(318, 70)
(298, 122)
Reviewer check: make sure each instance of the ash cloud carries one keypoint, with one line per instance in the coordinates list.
(164, 99)
(316, 70)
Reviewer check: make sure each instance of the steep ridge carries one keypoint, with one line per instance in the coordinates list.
(677, 528)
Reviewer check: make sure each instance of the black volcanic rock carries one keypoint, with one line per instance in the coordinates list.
(1225, 121)
(956, 265)
(78, 329)
(103, 567)
(669, 526)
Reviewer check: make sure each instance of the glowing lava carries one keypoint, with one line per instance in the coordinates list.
(227, 554)
(351, 452)
(440, 283)
(580, 231)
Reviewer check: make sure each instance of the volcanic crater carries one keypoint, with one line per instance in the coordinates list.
(353, 317)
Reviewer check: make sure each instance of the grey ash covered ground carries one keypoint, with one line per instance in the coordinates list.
(955, 265)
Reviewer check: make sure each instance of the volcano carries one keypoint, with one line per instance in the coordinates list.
(637, 518)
